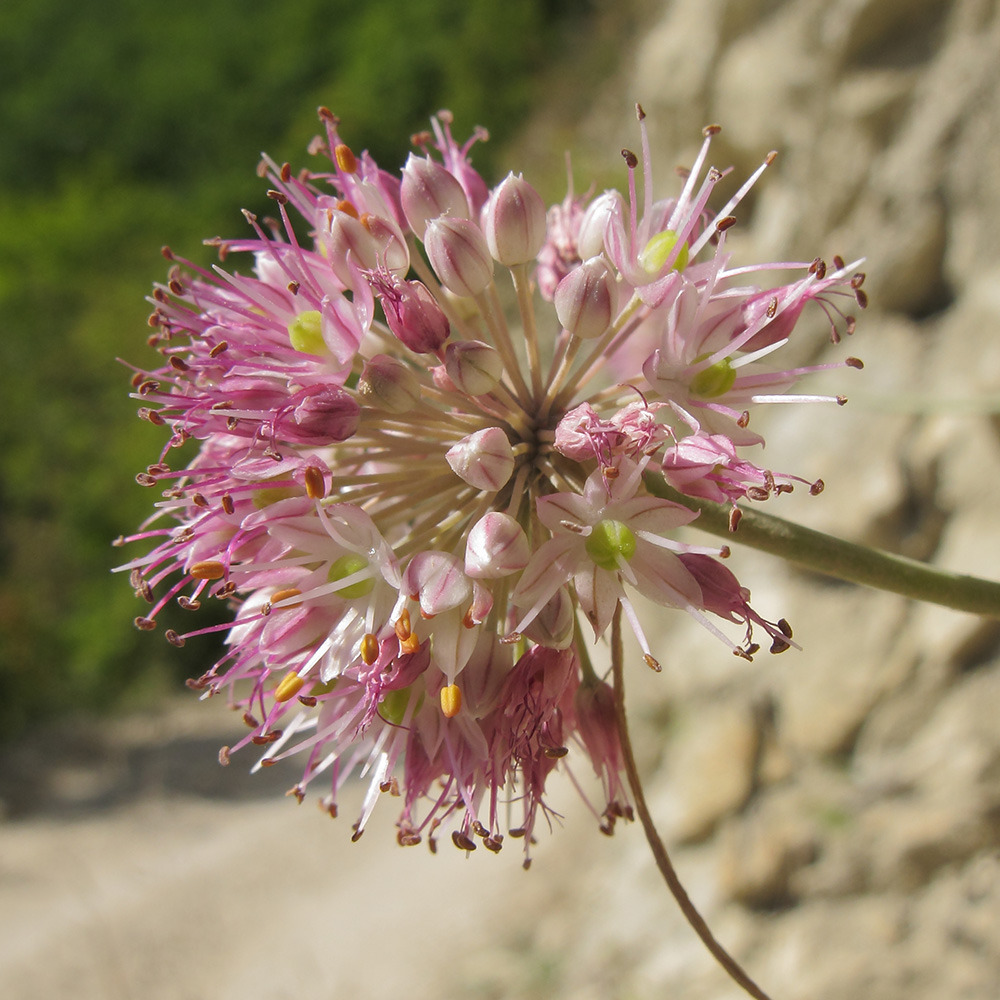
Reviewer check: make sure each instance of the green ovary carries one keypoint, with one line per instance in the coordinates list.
(306, 333)
(658, 249)
(347, 565)
(714, 381)
(392, 707)
(607, 541)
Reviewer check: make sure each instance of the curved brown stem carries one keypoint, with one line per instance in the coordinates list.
(663, 862)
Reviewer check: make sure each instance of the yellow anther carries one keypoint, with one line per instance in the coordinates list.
(283, 595)
(345, 159)
(451, 701)
(402, 625)
(347, 208)
(410, 644)
(207, 569)
(289, 687)
(369, 648)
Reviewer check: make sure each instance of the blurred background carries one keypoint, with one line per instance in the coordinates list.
(837, 810)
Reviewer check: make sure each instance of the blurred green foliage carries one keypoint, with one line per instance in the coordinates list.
(124, 126)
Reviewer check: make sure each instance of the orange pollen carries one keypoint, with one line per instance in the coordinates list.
(410, 644)
(468, 621)
(402, 625)
(289, 686)
(283, 595)
(208, 569)
(369, 648)
(345, 159)
(451, 701)
(315, 483)
(366, 221)
(347, 208)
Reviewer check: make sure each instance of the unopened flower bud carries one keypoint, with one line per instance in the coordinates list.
(323, 416)
(496, 547)
(429, 190)
(484, 460)
(515, 222)
(390, 245)
(474, 367)
(586, 300)
(595, 224)
(348, 236)
(389, 384)
(458, 253)
(411, 312)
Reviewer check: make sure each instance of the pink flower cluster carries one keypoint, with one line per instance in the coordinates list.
(424, 511)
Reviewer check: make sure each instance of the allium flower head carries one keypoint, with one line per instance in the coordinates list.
(424, 511)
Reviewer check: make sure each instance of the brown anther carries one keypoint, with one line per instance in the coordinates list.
(279, 196)
(144, 413)
(408, 839)
(327, 115)
(249, 216)
(785, 628)
(757, 493)
(849, 325)
(175, 286)
(219, 348)
(743, 654)
(555, 753)
(296, 791)
(772, 307)
(315, 483)
(173, 638)
(226, 589)
(384, 786)
(862, 298)
(511, 638)
(250, 721)
(346, 160)
(167, 252)
(838, 262)
(735, 516)
(148, 386)
(725, 552)
(858, 280)
(286, 172)
(714, 175)
(160, 295)
(726, 222)
(310, 701)
(817, 487)
(744, 419)
(652, 662)
(468, 621)
(207, 569)
(224, 756)
(610, 472)
(227, 503)
(261, 739)
(368, 647)
(198, 500)
(779, 645)
(841, 400)
(462, 841)
(224, 404)
(293, 287)
(854, 362)
(187, 604)
(178, 364)
(154, 319)
(639, 113)
(145, 479)
(356, 836)
(330, 808)
(144, 624)
(711, 130)
(493, 844)
(232, 423)
(631, 160)
(402, 626)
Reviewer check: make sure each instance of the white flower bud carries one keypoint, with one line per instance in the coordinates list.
(429, 190)
(389, 385)
(474, 367)
(595, 223)
(515, 222)
(496, 547)
(458, 253)
(484, 459)
(586, 300)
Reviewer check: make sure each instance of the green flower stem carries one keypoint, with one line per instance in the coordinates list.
(844, 560)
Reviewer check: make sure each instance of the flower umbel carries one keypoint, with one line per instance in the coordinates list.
(424, 511)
